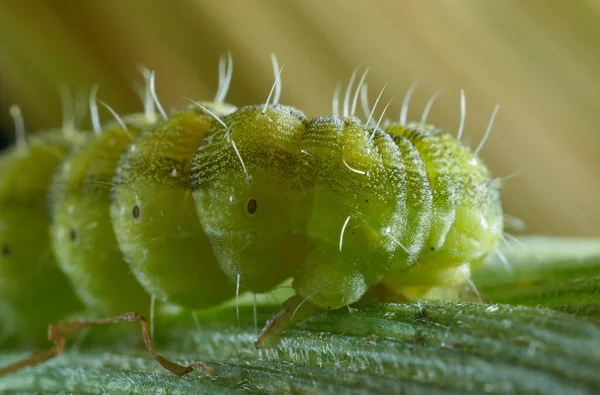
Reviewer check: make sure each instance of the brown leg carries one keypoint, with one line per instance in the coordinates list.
(57, 333)
(292, 310)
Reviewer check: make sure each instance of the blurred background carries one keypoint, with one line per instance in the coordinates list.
(538, 59)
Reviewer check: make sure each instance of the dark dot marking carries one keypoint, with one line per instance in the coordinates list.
(252, 206)
(432, 248)
(135, 212)
(5, 251)
(73, 235)
(367, 201)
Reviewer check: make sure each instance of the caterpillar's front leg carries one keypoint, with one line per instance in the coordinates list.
(292, 310)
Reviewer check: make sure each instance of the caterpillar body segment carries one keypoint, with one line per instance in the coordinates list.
(359, 206)
(419, 202)
(466, 213)
(154, 216)
(33, 289)
(82, 232)
(251, 197)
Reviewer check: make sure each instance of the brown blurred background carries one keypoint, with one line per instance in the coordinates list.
(538, 59)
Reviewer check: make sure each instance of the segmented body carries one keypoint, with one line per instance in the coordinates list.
(258, 196)
(342, 207)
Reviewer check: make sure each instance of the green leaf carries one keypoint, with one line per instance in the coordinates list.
(426, 347)
(556, 272)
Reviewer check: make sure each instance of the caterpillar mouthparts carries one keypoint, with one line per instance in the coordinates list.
(197, 199)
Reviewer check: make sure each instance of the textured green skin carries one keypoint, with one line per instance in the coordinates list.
(413, 184)
(467, 221)
(165, 247)
(82, 233)
(33, 290)
(264, 247)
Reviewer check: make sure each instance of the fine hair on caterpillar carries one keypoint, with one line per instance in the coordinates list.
(201, 202)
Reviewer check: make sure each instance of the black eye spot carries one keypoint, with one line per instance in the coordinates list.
(252, 206)
(432, 248)
(5, 251)
(136, 212)
(73, 235)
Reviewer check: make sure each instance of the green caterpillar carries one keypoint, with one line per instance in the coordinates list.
(212, 195)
